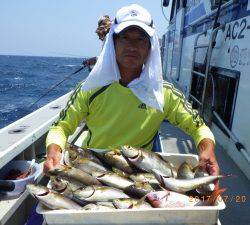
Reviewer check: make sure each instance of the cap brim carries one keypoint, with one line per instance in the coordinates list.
(121, 26)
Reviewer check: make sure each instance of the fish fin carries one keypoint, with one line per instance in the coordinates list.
(161, 157)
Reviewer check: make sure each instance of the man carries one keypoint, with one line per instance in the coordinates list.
(104, 24)
(123, 99)
(103, 28)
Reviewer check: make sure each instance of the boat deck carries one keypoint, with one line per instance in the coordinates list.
(237, 195)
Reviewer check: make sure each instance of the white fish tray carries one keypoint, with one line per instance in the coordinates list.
(198, 215)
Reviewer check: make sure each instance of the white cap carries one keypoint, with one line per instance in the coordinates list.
(133, 15)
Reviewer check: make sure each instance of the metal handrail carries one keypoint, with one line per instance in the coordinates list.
(209, 56)
(194, 56)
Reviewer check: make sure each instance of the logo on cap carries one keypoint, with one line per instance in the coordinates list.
(142, 106)
(133, 13)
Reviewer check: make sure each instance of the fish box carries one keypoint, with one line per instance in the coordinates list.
(197, 215)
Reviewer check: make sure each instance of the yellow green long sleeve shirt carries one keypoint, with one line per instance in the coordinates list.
(116, 117)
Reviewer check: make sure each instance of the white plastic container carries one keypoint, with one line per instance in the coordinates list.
(20, 185)
(198, 215)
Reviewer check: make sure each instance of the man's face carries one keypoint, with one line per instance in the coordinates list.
(132, 48)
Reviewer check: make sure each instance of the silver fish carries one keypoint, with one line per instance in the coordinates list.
(88, 165)
(138, 189)
(115, 159)
(66, 158)
(94, 207)
(181, 185)
(141, 205)
(112, 179)
(147, 160)
(73, 173)
(75, 152)
(50, 198)
(130, 203)
(124, 203)
(204, 189)
(120, 172)
(99, 194)
(108, 204)
(64, 186)
(185, 171)
(144, 177)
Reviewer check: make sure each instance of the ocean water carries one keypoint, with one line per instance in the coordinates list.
(23, 79)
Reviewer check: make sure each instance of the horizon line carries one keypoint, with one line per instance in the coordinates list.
(52, 56)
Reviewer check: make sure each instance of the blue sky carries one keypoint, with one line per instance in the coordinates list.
(61, 27)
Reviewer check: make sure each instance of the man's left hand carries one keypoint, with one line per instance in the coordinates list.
(90, 61)
(207, 158)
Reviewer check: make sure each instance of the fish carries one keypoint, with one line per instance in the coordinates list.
(109, 204)
(183, 185)
(64, 186)
(147, 161)
(124, 203)
(168, 199)
(115, 159)
(88, 165)
(73, 173)
(211, 200)
(95, 207)
(185, 171)
(99, 194)
(120, 172)
(112, 179)
(144, 177)
(138, 189)
(67, 158)
(75, 152)
(204, 189)
(141, 205)
(50, 198)
(130, 203)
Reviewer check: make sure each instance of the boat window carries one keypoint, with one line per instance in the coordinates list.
(215, 3)
(172, 14)
(176, 5)
(225, 87)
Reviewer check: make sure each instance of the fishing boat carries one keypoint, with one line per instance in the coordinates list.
(205, 54)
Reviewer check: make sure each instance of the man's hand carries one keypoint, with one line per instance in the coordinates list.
(53, 157)
(90, 61)
(207, 158)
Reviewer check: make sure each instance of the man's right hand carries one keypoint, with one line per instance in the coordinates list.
(53, 157)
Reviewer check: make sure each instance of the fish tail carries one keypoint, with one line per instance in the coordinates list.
(229, 175)
(215, 195)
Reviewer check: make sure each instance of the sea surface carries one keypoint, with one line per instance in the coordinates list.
(23, 79)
